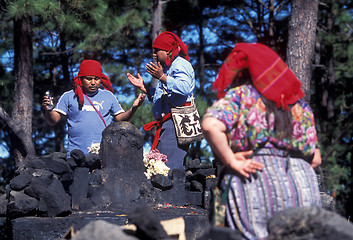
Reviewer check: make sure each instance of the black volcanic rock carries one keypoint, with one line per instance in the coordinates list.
(55, 200)
(20, 182)
(147, 223)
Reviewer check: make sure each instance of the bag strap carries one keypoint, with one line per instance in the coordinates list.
(100, 115)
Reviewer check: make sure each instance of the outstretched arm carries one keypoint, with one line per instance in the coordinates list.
(215, 133)
(51, 117)
(126, 116)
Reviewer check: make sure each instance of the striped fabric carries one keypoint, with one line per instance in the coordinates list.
(269, 77)
(285, 182)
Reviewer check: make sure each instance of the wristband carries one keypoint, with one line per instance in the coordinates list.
(161, 76)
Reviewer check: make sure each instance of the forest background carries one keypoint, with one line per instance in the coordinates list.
(44, 41)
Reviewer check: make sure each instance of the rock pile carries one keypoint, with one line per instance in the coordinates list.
(51, 185)
(56, 185)
(39, 187)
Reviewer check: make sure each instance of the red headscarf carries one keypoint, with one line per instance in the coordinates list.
(168, 41)
(90, 68)
(270, 75)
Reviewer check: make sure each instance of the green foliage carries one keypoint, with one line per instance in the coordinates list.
(45, 8)
(201, 104)
(336, 131)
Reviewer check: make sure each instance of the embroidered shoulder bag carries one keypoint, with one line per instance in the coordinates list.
(187, 122)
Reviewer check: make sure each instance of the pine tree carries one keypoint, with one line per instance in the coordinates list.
(332, 99)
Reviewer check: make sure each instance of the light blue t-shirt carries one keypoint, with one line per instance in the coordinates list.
(85, 125)
(180, 84)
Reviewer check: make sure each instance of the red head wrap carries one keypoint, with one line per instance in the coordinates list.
(90, 68)
(270, 75)
(168, 41)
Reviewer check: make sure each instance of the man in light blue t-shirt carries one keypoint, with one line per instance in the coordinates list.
(88, 108)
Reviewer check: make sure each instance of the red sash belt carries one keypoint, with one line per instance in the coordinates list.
(158, 123)
(150, 125)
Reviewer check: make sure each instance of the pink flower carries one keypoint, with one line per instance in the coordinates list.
(297, 130)
(248, 102)
(263, 121)
(252, 117)
(240, 132)
(157, 156)
(311, 134)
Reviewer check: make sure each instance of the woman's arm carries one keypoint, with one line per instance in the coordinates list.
(317, 159)
(214, 132)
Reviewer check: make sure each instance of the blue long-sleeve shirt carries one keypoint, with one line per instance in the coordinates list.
(179, 86)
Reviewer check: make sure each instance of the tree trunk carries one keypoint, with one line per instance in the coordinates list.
(301, 41)
(23, 90)
(64, 60)
(156, 26)
(201, 54)
(64, 86)
(271, 24)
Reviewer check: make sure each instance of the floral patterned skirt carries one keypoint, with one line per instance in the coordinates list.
(285, 182)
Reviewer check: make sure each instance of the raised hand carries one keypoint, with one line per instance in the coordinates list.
(137, 81)
(46, 103)
(156, 70)
(139, 100)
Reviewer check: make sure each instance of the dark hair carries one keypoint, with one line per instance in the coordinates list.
(242, 78)
(283, 119)
(182, 54)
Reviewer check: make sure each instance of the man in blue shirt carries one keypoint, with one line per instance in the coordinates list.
(88, 108)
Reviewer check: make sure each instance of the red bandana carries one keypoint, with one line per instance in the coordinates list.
(90, 68)
(270, 75)
(168, 41)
